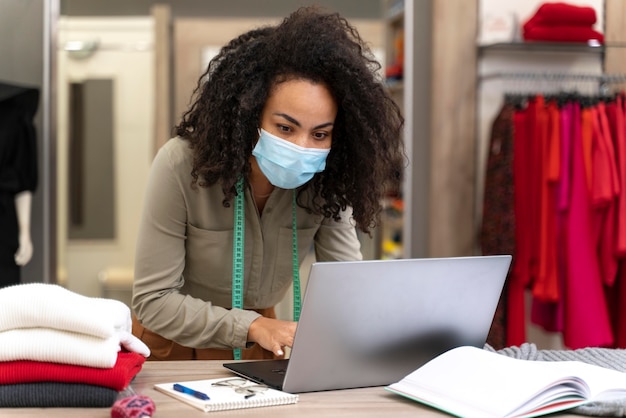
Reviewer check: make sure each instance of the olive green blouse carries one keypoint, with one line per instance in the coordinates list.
(183, 262)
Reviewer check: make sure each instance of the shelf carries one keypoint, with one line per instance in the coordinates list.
(544, 47)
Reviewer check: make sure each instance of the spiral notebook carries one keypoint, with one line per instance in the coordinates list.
(226, 394)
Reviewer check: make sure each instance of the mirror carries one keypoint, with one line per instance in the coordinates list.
(91, 195)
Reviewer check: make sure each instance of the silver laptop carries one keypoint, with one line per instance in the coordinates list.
(370, 323)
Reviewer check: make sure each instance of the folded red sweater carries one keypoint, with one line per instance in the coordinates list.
(118, 377)
(549, 14)
(562, 34)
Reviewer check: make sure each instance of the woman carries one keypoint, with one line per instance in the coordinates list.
(290, 126)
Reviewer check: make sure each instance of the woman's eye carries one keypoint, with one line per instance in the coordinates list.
(320, 135)
(284, 128)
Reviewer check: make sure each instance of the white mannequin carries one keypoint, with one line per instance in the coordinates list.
(23, 203)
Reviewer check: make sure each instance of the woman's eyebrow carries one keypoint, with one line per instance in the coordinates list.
(289, 118)
(295, 122)
(324, 125)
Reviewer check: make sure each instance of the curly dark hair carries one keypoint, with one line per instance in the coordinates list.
(367, 154)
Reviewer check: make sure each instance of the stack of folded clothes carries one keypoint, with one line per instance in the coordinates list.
(62, 349)
(562, 22)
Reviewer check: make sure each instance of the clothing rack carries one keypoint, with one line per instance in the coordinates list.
(603, 80)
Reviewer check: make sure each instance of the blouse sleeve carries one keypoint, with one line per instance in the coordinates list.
(159, 263)
(337, 240)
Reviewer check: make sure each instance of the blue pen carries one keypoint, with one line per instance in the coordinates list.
(189, 391)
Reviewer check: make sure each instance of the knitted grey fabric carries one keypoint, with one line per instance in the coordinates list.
(605, 357)
(56, 395)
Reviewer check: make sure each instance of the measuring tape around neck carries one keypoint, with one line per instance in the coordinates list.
(238, 257)
(238, 248)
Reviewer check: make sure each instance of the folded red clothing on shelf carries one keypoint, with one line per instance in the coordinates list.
(118, 377)
(563, 34)
(549, 14)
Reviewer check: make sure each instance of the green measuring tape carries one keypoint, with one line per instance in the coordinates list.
(297, 302)
(238, 257)
(238, 241)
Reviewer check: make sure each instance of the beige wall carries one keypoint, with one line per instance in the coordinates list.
(615, 34)
(453, 138)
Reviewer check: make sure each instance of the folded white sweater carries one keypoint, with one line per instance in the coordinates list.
(46, 322)
(56, 346)
(44, 305)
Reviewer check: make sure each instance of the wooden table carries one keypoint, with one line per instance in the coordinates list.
(365, 402)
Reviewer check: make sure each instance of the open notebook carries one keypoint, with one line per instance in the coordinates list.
(370, 323)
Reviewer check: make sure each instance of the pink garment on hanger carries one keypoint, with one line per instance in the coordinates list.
(586, 317)
(618, 311)
(616, 294)
(605, 191)
(568, 120)
(617, 122)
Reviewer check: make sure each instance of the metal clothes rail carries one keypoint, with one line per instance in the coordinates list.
(603, 80)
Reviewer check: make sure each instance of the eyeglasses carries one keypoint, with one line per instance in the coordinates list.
(242, 386)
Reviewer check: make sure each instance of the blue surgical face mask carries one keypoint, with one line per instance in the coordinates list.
(287, 165)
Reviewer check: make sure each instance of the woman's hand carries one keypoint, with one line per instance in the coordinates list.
(272, 334)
